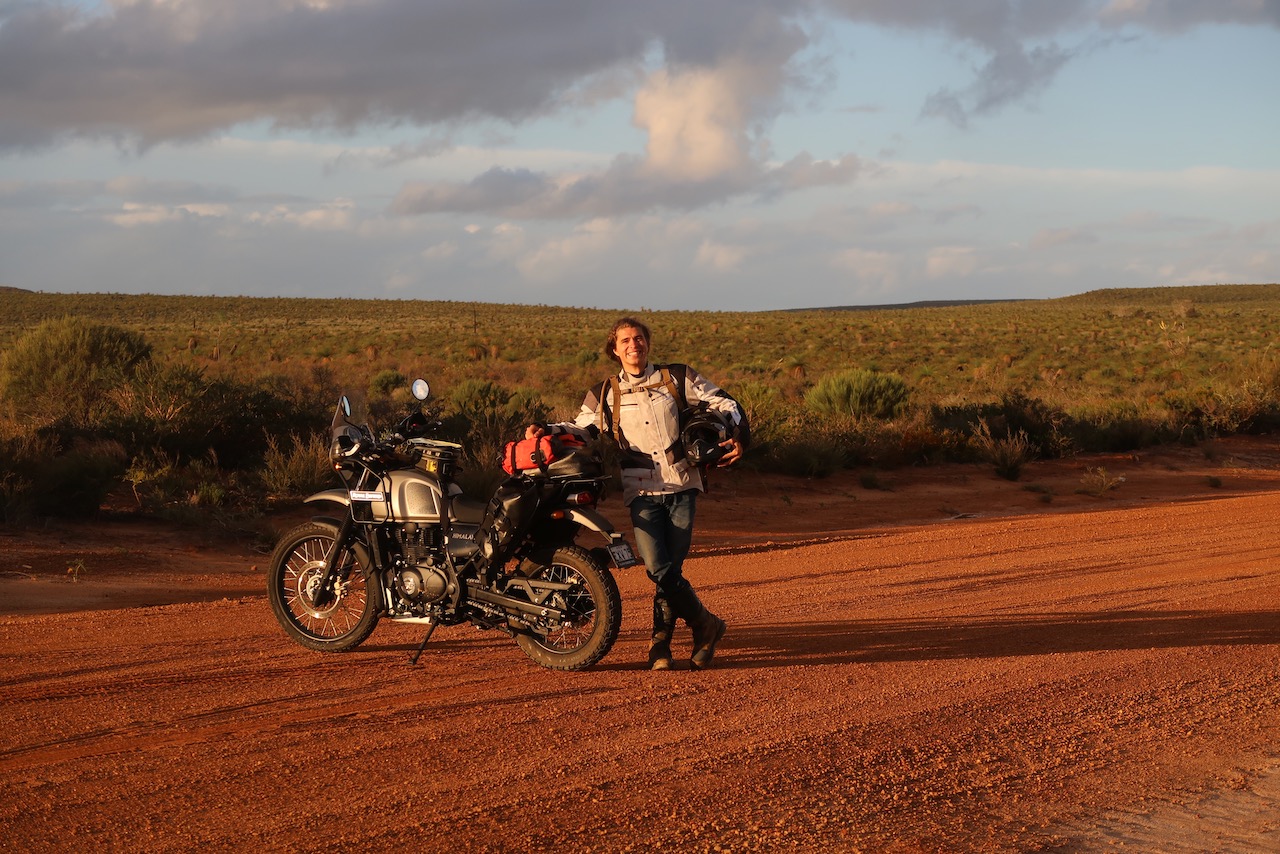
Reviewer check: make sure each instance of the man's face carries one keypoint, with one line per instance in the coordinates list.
(632, 349)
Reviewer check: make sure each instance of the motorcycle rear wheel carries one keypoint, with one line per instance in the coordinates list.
(297, 566)
(594, 604)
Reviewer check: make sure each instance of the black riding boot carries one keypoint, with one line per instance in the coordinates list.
(707, 628)
(664, 626)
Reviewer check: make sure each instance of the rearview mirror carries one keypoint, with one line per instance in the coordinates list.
(421, 389)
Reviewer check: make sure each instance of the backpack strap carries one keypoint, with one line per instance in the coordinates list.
(606, 422)
(615, 386)
(673, 377)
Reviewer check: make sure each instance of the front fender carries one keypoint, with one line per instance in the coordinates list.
(337, 496)
(357, 544)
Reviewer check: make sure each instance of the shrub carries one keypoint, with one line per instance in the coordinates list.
(1045, 428)
(806, 458)
(807, 445)
(300, 470)
(22, 454)
(1008, 453)
(240, 416)
(486, 416)
(859, 393)
(1038, 423)
(1117, 426)
(385, 383)
(388, 392)
(48, 472)
(163, 408)
(1097, 481)
(923, 441)
(65, 368)
(74, 483)
(766, 411)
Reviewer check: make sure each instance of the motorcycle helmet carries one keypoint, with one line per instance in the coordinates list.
(702, 435)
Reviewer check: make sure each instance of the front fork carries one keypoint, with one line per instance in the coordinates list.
(325, 590)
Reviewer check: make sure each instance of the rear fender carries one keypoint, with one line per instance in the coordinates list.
(592, 520)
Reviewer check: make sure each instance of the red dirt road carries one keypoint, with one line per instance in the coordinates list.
(953, 665)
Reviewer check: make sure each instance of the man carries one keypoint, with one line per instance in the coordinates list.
(640, 408)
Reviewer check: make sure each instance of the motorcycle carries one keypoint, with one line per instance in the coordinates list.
(407, 545)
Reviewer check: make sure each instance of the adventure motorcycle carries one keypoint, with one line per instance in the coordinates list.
(409, 546)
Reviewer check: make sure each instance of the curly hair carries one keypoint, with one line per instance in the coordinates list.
(611, 343)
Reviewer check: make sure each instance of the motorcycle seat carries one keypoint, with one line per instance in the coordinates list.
(468, 511)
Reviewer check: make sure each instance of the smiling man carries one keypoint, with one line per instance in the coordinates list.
(644, 408)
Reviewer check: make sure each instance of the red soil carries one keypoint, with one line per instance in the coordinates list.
(950, 662)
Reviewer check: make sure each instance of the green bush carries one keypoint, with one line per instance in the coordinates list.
(65, 369)
(766, 410)
(859, 393)
(806, 445)
(201, 493)
(485, 416)
(387, 382)
(239, 417)
(1117, 426)
(1048, 431)
(110, 412)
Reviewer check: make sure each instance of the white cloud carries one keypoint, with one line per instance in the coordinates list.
(586, 249)
(891, 210)
(440, 251)
(696, 125)
(947, 262)
(1048, 238)
(135, 215)
(720, 257)
(882, 269)
(337, 215)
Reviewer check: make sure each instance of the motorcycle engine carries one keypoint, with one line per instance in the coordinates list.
(422, 583)
(417, 580)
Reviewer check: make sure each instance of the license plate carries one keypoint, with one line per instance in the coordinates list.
(623, 557)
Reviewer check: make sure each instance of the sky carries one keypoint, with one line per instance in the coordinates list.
(639, 154)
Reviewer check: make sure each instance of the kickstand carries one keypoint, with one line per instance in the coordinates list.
(413, 659)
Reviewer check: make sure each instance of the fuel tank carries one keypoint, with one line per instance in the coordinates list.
(403, 495)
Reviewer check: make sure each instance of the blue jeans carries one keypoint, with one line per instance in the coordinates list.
(664, 531)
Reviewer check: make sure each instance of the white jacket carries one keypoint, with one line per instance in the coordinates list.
(648, 414)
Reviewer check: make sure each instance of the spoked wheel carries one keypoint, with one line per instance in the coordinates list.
(297, 569)
(594, 609)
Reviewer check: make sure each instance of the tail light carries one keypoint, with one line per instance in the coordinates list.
(580, 498)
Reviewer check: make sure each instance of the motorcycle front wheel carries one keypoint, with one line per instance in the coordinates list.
(593, 604)
(297, 568)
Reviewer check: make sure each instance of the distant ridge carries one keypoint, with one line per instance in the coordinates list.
(927, 303)
(4, 288)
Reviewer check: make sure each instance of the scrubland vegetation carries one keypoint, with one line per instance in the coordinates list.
(211, 407)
